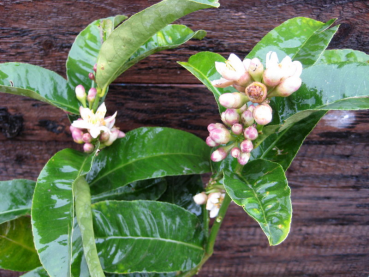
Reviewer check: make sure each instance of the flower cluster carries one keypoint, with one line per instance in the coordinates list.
(241, 122)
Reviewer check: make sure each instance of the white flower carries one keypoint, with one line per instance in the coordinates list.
(214, 202)
(95, 123)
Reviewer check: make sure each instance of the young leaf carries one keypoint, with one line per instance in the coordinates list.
(17, 251)
(37, 272)
(127, 38)
(147, 153)
(146, 236)
(38, 83)
(263, 192)
(53, 209)
(15, 198)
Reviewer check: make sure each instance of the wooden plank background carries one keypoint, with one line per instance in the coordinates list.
(329, 177)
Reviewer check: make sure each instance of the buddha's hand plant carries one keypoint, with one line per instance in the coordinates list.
(133, 204)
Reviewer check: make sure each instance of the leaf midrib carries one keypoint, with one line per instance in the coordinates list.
(17, 243)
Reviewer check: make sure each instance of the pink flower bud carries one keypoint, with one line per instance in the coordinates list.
(87, 137)
(104, 136)
(200, 198)
(91, 95)
(251, 108)
(239, 88)
(113, 136)
(222, 83)
(235, 152)
(220, 135)
(213, 126)
(210, 142)
(250, 133)
(244, 80)
(263, 114)
(81, 94)
(88, 147)
(237, 129)
(247, 118)
(77, 136)
(243, 158)
(121, 134)
(256, 92)
(91, 76)
(256, 69)
(230, 117)
(287, 86)
(233, 100)
(246, 146)
(95, 67)
(218, 155)
(272, 76)
(242, 109)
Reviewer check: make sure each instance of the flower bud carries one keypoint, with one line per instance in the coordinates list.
(287, 87)
(246, 146)
(237, 129)
(95, 67)
(220, 135)
(239, 88)
(256, 92)
(218, 155)
(230, 117)
(263, 114)
(250, 133)
(247, 118)
(243, 158)
(244, 80)
(272, 76)
(200, 198)
(104, 136)
(91, 76)
(256, 69)
(242, 109)
(77, 136)
(88, 147)
(87, 137)
(233, 100)
(81, 94)
(222, 83)
(91, 95)
(235, 152)
(251, 108)
(210, 142)
(113, 136)
(121, 134)
(213, 126)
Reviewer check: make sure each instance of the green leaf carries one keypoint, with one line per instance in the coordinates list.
(38, 83)
(127, 38)
(170, 274)
(37, 272)
(202, 66)
(17, 251)
(146, 236)
(53, 209)
(301, 38)
(84, 219)
(263, 192)
(150, 189)
(15, 198)
(343, 55)
(148, 153)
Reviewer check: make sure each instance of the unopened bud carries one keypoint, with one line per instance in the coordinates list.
(91, 76)
(210, 142)
(218, 155)
(95, 67)
(287, 87)
(113, 136)
(247, 118)
(243, 158)
(235, 152)
(272, 76)
(256, 69)
(233, 100)
(230, 117)
(242, 109)
(213, 126)
(87, 137)
(88, 147)
(251, 108)
(121, 134)
(237, 129)
(104, 136)
(222, 83)
(77, 136)
(91, 95)
(246, 146)
(239, 88)
(256, 92)
(200, 198)
(81, 94)
(220, 135)
(244, 80)
(250, 133)
(263, 114)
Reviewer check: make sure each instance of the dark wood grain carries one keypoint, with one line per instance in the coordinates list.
(329, 177)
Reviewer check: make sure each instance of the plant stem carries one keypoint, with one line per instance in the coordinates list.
(209, 249)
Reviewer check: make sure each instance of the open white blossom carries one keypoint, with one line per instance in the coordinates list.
(214, 202)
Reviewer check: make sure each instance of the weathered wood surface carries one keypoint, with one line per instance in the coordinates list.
(329, 178)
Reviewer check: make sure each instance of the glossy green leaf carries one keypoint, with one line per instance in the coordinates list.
(150, 189)
(38, 83)
(170, 274)
(84, 218)
(148, 153)
(146, 236)
(202, 66)
(127, 38)
(301, 38)
(37, 272)
(343, 55)
(263, 192)
(53, 209)
(79, 266)
(17, 251)
(15, 198)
